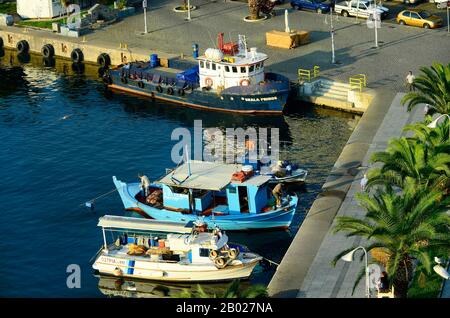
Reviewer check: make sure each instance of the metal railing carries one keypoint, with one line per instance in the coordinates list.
(358, 81)
(308, 74)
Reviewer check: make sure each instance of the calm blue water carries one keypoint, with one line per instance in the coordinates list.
(63, 137)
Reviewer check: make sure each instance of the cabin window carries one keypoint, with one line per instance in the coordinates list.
(252, 68)
(208, 65)
(257, 66)
(234, 69)
(204, 252)
(243, 69)
(202, 64)
(214, 66)
(227, 68)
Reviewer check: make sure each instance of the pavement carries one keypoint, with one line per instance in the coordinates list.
(402, 48)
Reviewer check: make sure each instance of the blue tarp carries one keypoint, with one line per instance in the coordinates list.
(190, 75)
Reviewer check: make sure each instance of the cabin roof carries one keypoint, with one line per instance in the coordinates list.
(121, 222)
(239, 59)
(204, 175)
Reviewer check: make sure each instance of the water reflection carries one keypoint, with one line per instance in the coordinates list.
(131, 288)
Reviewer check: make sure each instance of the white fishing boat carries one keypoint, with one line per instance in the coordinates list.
(169, 251)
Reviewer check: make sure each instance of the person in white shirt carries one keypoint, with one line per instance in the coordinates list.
(145, 184)
(363, 183)
(410, 80)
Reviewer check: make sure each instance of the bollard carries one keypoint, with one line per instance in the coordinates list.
(195, 50)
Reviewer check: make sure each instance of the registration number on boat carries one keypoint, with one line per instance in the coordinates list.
(262, 99)
(115, 261)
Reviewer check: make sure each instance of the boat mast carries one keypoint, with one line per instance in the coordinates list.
(104, 239)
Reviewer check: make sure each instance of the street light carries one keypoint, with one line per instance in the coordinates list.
(433, 124)
(441, 271)
(144, 5)
(349, 258)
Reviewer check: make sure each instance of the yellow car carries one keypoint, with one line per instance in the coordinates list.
(420, 18)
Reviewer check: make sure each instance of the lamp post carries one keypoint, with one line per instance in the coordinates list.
(189, 10)
(349, 258)
(144, 5)
(333, 57)
(433, 124)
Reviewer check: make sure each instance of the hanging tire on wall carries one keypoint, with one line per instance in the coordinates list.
(104, 60)
(77, 56)
(48, 51)
(23, 47)
(181, 92)
(124, 80)
(141, 84)
(159, 89)
(170, 90)
(1, 43)
(107, 79)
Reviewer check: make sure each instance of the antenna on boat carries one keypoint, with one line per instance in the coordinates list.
(188, 161)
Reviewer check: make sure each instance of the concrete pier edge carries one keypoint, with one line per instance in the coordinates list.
(295, 264)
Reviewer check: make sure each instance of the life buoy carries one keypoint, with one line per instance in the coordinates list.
(77, 56)
(209, 82)
(104, 60)
(141, 84)
(159, 89)
(48, 51)
(181, 92)
(219, 262)
(213, 254)
(170, 90)
(117, 272)
(23, 47)
(233, 253)
(244, 82)
(124, 80)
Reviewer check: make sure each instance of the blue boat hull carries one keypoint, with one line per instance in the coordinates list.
(280, 218)
(268, 99)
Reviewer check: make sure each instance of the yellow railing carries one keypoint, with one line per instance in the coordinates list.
(358, 81)
(308, 74)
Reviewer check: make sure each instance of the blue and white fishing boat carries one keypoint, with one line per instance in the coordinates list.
(228, 195)
(230, 78)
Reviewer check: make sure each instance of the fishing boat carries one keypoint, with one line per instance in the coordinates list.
(170, 251)
(229, 195)
(229, 78)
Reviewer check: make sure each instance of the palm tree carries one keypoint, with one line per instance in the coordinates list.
(432, 88)
(412, 225)
(411, 159)
(232, 291)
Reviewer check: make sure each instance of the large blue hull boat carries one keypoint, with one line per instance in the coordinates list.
(230, 79)
(243, 205)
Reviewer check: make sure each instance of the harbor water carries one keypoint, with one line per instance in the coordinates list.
(63, 136)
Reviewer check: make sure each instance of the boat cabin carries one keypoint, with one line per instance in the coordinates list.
(161, 240)
(211, 188)
(231, 65)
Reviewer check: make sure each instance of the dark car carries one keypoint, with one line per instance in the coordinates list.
(320, 6)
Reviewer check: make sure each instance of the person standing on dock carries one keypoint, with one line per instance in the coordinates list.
(145, 184)
(409, 81)
(363, 183)
(278, 194)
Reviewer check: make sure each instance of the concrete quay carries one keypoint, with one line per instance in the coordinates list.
(306, 269)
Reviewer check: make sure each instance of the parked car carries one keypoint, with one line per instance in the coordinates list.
(420, 18)
(363, 10)
(441, 4)
(320, 6)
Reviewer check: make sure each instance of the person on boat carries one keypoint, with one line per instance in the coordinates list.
(145, 184)
(278, 194)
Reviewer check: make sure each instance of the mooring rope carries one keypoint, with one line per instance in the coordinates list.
(100, 196)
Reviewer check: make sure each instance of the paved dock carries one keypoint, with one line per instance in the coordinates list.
(306, 269)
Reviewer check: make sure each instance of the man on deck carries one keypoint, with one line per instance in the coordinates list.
(145, 184)
(278, 194)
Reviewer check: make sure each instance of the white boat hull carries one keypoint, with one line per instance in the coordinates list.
(144, 268)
